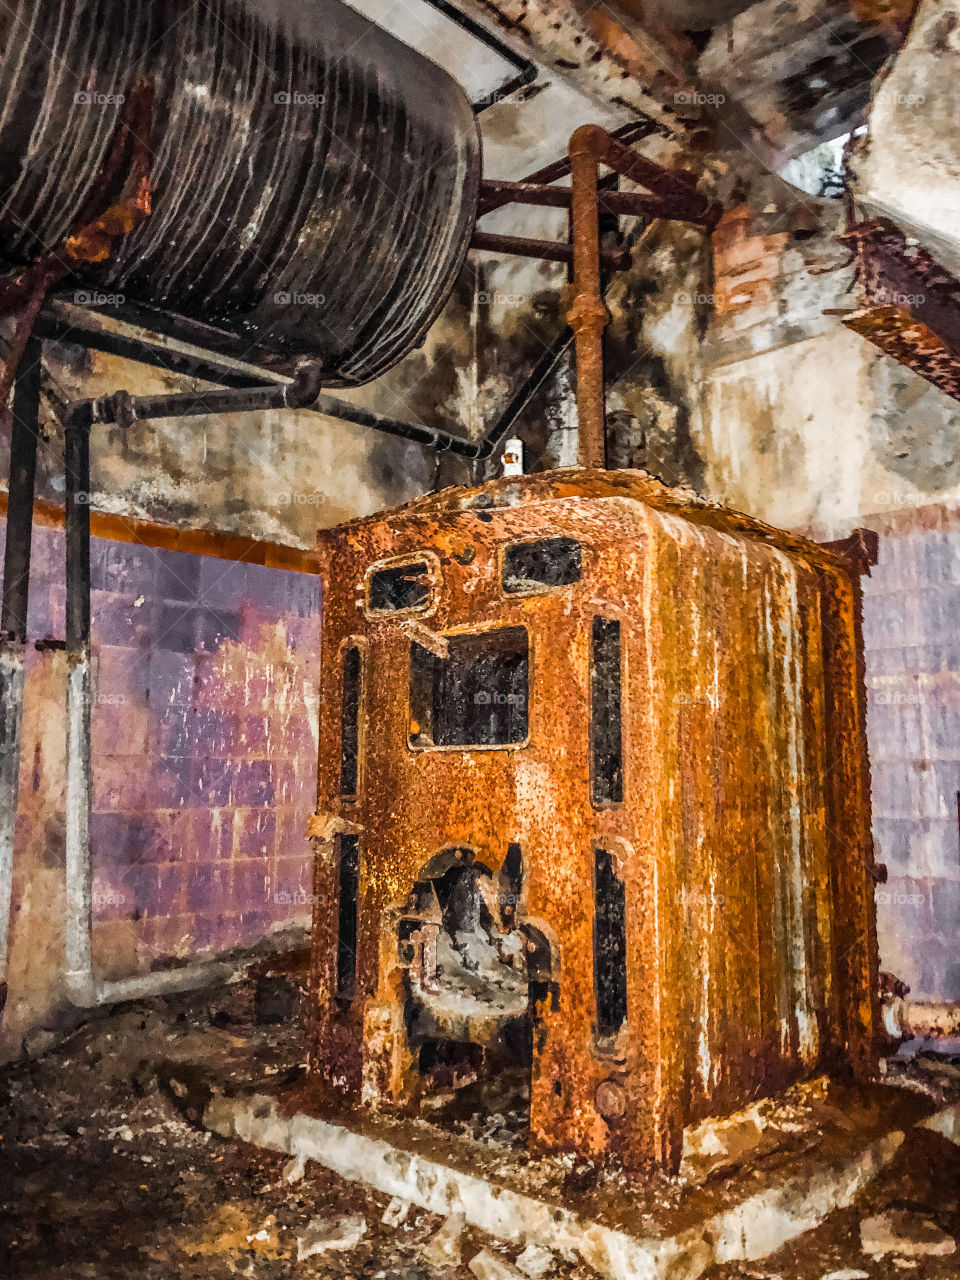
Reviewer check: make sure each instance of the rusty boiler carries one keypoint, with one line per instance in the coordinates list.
(593, 810)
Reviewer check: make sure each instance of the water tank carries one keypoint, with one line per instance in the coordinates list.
(314, 179)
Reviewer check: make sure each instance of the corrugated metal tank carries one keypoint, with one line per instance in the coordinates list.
(314, 179)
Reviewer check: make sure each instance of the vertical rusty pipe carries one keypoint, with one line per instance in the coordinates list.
(588, 316)
(13, 617)
(79, 871)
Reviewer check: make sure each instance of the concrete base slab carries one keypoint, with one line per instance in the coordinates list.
(747, 1230)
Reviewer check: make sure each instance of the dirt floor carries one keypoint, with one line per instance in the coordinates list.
(105, 1170)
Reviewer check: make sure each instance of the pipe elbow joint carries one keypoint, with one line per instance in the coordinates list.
(587, 140)
(80, 988)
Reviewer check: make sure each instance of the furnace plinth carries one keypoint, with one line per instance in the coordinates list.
(593, 809)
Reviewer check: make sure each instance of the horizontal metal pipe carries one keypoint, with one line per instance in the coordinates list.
(627, 133)
(921, 1019)
(547, 250)
(87, 992)
(124, 409)
(628, 203)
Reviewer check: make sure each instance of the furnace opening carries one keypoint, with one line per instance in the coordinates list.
(474, 974)
(548, 562)
(476, 696)
(401, 588)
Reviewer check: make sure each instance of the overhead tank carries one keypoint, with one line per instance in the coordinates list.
(314, 180)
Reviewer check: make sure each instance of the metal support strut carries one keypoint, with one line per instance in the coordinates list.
(79, 879)
(13, 618)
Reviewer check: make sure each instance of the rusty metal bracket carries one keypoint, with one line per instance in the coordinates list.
(861, 548)
(911, 303)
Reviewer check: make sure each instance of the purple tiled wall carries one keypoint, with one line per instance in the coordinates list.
(912, 642)
(204, 742)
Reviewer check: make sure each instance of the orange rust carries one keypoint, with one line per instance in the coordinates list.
(588, 315)
(894, 15)
(93, 242)
(589, 147)
(898, 333)
(742, 838)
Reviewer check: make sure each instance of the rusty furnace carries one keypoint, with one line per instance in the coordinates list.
(593, 809)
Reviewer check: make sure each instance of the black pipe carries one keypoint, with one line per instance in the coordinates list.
(500, 428)
(77, 523)
(22, 483)
(526, 70)
(302, 394)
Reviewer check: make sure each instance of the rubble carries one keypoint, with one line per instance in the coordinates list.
(444, 1249)
(396, 1212)
(74, 1186)
(294, 1170)
(331, 1235)
(535, 1261)
(487, 1266)
(904, 1232)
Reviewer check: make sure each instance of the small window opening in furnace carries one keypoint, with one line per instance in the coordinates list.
(548, 562)
(350, 723)
(609, 945)
(477, 696)
(348, 884)
(606, 729)
(402, 588)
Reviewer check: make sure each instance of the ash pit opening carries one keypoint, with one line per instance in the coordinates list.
(475, 975)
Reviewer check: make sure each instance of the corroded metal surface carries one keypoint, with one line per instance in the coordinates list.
(742, 838)
(911, 303)
(899, 334)
(590, 146)
(314, 180)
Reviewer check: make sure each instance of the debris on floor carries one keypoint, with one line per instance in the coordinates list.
(487, 1266)
(106, 1171)
(535, 1261)
(331, 1235)
(907, 1234)
(445, 1248)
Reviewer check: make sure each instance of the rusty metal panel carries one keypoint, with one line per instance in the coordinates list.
(314, 180)
(742, 838)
